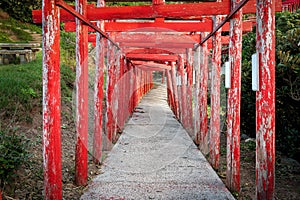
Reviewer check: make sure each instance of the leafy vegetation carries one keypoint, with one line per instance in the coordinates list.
(20, 9)
(21, 86)
(287, 84)
(14, 152)
(10, 27)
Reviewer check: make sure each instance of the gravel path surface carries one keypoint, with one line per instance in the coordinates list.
(156, 159)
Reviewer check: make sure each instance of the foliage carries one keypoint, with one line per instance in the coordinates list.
(287, 84)
(20, 9)
(68, 44)
(21, 87)
(11, 27)
(14, 152)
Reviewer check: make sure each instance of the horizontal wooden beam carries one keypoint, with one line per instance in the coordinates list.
(154, 45)
(152, 64)
(152, 57)
(147, 68)
(152, 38)
(162, 45)
(160, 26)
(150, 50)
(151, 26)
(171, 11)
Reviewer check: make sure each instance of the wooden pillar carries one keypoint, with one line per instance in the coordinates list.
(197, 96)
(98, 94)
(189, 89)
(131, 93)
(204, 144)
(183, 92)
(122, 83)
(81, 156)
(234, 102)
(169, 89)
(175, 91)
(215, 97)
(109, 92)
(179, 85)
(51, 101)
(265, 100)
(135, 87)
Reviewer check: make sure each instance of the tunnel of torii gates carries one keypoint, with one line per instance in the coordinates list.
(178, 40)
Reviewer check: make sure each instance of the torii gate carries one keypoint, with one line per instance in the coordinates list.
(133, 61)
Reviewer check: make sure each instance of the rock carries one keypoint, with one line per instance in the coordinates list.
(244, 137)
(250, 140)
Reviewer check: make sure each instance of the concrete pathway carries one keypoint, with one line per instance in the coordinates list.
(156, 159)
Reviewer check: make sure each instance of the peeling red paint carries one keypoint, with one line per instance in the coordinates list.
(189, 95)
(197, 67)
(51, 102)
(203, 98)
(234, 102)
(98, 98)
(110, 78)
(81, 170)
(265, 100)
(215, 97)
(183, 88)
(175, 91)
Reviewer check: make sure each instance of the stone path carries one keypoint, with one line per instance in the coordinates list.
(156, 159)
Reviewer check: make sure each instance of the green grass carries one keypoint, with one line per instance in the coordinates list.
(11, 26)
(21, 87)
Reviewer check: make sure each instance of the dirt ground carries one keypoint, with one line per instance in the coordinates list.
(28, 183)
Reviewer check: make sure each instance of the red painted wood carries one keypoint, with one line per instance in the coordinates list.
(183, 92)
(81, 155)
(51, 102)
(178, 79)
(197, 96)
(153, 37)
(135, 87)
(151, 57)
(121, 83)
(147, 68)
(150, 37)
(160, 45)
(158, 2)
(169, 27)
(175, 92)
(160, 39)
(116, 97)
(109, 92)
(215, 98)
(169, 89)
(149, 26)
(98, 94)
(129, 88)
(148, 51)
(151, 64)
(204, 143)
(234, 103)
(174, 11)
(189, 96)
(83, 18)
(265, 101)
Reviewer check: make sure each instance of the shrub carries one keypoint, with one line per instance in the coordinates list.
(14, 152)
(287, 84)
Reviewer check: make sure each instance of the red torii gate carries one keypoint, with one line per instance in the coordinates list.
(138, 81)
